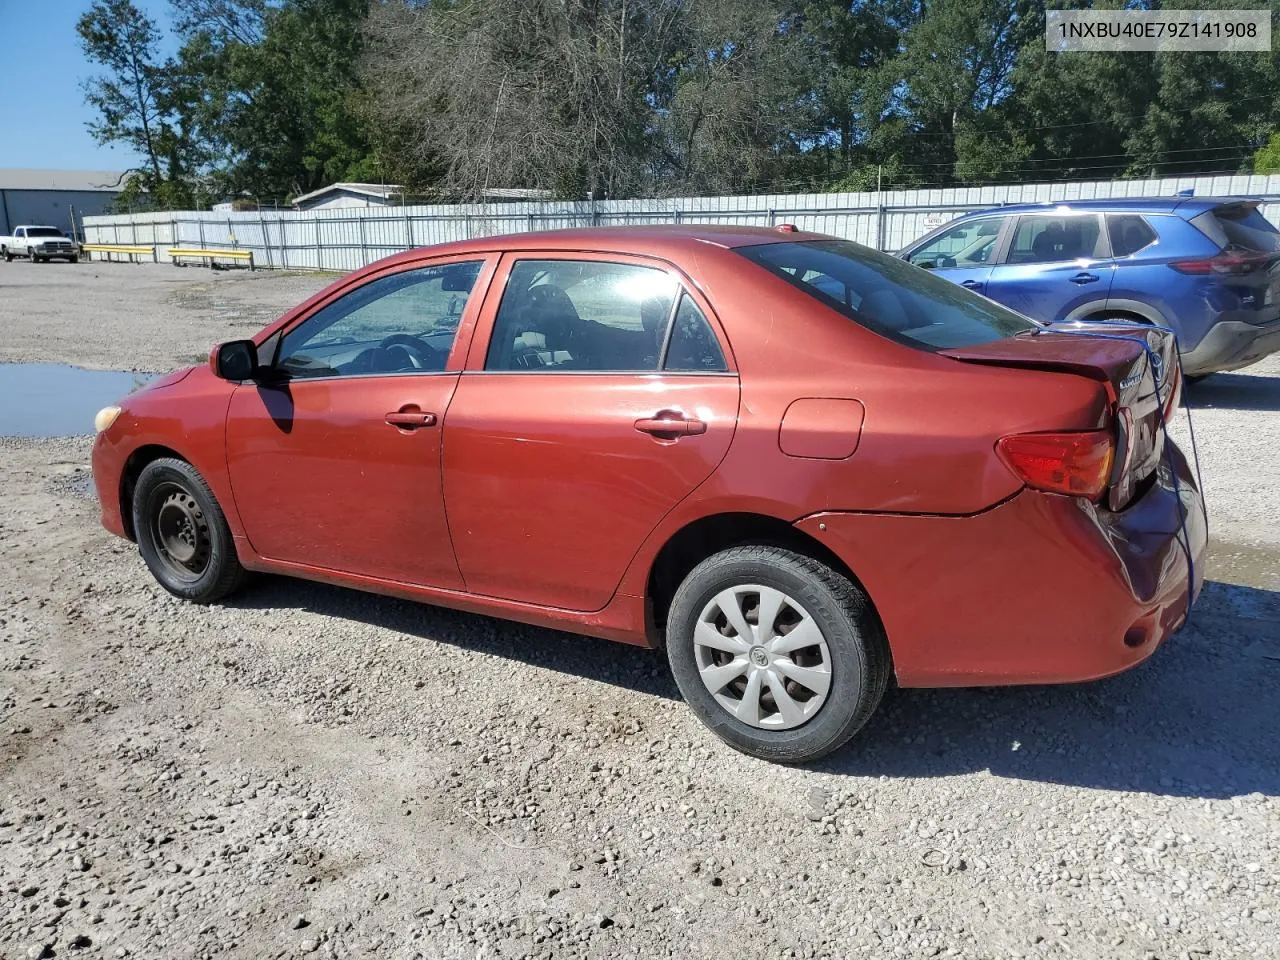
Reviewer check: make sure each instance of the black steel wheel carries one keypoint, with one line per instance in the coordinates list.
(182, 533)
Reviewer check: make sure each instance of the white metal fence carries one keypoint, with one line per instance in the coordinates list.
(347, 238)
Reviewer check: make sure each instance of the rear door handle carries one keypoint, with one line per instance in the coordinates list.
(671, 427)
(410, 418)
(971, 284)
(1084, 278)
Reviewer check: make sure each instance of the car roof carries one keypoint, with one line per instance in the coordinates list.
(1184, 206)
(661, 240)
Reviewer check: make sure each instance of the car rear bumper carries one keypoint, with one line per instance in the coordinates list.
(1040, 589)
(1230, 345)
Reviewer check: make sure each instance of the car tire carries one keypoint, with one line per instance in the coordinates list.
(73, 259)
(183, 534)
(8, 257)
(852, 651)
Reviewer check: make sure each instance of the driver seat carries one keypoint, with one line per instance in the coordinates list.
(546, 319)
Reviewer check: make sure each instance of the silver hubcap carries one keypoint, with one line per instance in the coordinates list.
(762, 657)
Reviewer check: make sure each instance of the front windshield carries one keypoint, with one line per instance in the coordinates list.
(888, 295)
(43, 232)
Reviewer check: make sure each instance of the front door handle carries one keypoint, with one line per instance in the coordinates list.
(409, 417)
(671, 426)
(972, 284)
(1084, 278)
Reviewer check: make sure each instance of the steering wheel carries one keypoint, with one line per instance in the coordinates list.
(421, 354)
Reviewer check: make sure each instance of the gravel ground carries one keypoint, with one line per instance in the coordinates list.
(143, 316)
(312, 771)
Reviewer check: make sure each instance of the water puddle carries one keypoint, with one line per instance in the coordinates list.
(55, 400)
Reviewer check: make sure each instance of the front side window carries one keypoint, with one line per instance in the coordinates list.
(1048, 239)
(968, 244)
(403, 323)
(572, 315)
(888, 295)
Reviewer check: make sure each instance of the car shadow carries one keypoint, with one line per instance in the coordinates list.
(1235, 391)
(1200, 719)
(619, 664)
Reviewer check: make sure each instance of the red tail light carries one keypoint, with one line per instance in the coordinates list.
(1231, 262)
(1077, 464)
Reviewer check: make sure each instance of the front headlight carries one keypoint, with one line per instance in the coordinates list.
(105, 418)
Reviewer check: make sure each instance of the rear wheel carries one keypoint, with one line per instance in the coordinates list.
(781, 656)
(8, 257)
(182, 533)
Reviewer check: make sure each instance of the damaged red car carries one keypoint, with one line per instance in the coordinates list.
(800, 466)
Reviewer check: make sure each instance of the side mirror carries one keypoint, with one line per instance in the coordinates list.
(235, 360)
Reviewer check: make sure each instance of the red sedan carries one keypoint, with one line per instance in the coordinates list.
(799, 465)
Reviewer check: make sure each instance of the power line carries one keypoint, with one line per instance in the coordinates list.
(1135, 116)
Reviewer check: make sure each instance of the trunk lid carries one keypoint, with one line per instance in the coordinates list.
(1142, 385)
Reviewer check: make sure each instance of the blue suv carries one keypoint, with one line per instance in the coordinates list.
(1207, 267)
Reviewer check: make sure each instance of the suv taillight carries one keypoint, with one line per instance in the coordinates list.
(1230, 262)
(1075, 464)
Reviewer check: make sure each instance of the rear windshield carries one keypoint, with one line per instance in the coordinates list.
(1239, 226)
(43, 232)
(890, 296)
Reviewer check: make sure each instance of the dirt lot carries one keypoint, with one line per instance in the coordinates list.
(308, 770)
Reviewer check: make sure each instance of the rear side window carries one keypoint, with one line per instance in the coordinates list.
(692, 345)
(563, 315)
(1128, 233)
(1039, 239)
(888, 295)
(1239, 226)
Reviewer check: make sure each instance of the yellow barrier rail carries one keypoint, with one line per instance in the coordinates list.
(202, 253)
(107, 249)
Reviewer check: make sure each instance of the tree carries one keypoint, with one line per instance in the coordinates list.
(1267, 159)
(511, 93)
(277, 95)
(602, 98)
(130, 96)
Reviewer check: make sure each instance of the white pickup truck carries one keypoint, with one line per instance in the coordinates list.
(38, 243)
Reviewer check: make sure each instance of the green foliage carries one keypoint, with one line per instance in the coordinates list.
(1267, 160)
(274, 98)
(137, 99)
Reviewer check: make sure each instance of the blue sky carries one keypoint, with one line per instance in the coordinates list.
(42, 124)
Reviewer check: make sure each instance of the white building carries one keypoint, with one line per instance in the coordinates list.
(350, 195)
(391, 194)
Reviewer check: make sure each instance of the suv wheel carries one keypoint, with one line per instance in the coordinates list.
(182, 534)
(781, 656)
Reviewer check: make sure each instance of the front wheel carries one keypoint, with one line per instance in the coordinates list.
(182, 533)
(780, 655)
